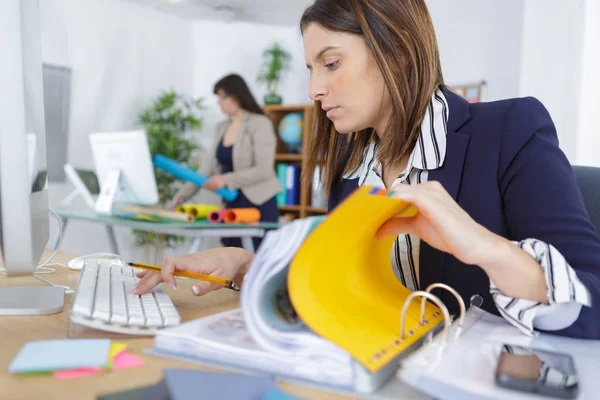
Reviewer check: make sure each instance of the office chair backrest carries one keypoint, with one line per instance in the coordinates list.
(588, 179)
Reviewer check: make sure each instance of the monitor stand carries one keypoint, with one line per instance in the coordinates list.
(31, 300)
(80, 188)
(113, 189)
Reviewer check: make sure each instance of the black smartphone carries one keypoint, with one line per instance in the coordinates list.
(537, 371)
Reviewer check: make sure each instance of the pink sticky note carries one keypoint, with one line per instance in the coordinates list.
(121, 361)
(125, 360)
(76, 373)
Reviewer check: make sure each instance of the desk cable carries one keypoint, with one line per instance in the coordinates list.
(46, 266)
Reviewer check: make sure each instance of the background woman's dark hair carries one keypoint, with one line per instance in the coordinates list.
(401, 39)
(234, 85)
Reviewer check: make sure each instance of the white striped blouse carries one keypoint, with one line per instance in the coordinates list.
(566, 293)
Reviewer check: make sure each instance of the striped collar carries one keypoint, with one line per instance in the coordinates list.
(429, 152)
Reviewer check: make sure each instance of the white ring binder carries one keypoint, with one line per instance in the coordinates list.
(461, 302)
(436, 300)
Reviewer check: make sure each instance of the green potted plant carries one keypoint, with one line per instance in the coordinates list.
(275, 61)
(167, 121)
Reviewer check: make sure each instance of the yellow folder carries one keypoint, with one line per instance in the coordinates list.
(342, 285)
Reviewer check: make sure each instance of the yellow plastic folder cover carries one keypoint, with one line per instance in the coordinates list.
(342, 285)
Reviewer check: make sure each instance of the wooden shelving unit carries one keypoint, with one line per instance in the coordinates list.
(283, 155)
(472, 92)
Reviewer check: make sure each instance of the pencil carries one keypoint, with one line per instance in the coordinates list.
(228, 283)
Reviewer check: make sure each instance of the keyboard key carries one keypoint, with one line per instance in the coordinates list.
(84, 298)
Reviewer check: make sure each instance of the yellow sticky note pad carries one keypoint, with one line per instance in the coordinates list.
(115, 349)
(342, 285)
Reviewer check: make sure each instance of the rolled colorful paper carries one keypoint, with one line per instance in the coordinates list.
(216, 216)
(157, 212)
(183, 209)
(237, 215)
(200, 211)
(188, 174)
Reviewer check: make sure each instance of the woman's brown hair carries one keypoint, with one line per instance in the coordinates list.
(401, 38)
(234, 85)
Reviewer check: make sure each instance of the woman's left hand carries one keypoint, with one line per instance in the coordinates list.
(215, 183)
(442, 223)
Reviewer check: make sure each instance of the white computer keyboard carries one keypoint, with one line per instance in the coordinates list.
(102, 300)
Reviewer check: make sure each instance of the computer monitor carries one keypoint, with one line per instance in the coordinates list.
(124, 169)
(24, 225)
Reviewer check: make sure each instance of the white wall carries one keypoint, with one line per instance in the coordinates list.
(552, 61)
(121, 56)
(221, 49)
(480, 40)
(588, 135)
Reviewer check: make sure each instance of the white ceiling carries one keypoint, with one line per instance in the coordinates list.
(276, 12)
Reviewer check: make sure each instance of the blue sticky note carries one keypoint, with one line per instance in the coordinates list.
(56, 355)
(185, 384)
(276, 394)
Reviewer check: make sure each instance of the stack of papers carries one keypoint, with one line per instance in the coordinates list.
(260, 338)
(266, 280)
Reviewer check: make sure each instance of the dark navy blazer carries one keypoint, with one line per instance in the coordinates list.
(504, 167)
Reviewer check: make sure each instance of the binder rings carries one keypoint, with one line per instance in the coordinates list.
(321, 304)
(343, 287)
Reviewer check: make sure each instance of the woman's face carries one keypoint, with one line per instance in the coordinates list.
(345, 79)
(228, 104)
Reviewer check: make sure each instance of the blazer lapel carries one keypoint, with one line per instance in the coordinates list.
(450, 176)
(238, 139)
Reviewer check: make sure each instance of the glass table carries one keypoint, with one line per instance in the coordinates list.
(196, 231)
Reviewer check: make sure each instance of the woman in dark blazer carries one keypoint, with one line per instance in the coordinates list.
(500, 213)
(242, 155)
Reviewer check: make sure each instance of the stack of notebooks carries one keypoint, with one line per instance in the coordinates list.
(320, 304)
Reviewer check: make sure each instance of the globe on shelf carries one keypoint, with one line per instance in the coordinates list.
(290, 131)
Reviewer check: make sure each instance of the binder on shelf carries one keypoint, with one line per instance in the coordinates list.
(281, 176)
(292, 180)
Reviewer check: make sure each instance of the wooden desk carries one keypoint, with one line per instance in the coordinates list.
(16, 331)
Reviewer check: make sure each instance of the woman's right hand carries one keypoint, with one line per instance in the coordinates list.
(226, 262)
(176, 201)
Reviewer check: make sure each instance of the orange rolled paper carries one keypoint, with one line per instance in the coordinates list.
(237, 215)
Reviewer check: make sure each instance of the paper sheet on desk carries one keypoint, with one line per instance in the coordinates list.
(467, 366)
